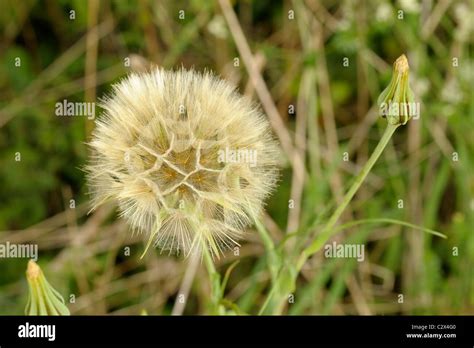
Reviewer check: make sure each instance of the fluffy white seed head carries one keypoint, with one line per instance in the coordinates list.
(188, 159)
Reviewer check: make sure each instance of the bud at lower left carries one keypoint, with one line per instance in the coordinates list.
(43, 298)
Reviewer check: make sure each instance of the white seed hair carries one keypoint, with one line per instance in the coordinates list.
(155, 151)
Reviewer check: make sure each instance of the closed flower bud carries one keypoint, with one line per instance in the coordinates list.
(397, 101)
(188, 159)
(43, 298)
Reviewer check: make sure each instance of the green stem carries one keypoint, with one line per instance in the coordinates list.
(274, 261)
(215, 279)
(328, 231)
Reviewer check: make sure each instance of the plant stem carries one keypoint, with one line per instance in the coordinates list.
(327, 232)
(274, 261)
(186, 284)
(215, 277)
(288, 279)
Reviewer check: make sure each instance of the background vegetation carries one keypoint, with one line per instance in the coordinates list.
(299, 48)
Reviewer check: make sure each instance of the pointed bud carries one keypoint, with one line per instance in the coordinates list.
(43, 299)
(397, 101)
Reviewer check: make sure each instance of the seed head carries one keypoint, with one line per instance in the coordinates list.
(188, 159)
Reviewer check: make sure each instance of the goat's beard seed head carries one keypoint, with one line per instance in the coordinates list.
(188, 159)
